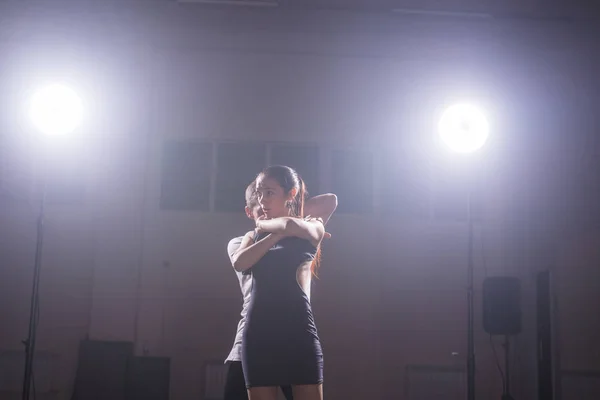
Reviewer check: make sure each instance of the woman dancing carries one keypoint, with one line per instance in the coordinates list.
(280, 344)
(321, 206)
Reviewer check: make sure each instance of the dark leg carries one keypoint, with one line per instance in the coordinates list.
(288, 392)
(235, 385)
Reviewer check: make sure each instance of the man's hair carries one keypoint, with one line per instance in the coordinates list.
(251, 199)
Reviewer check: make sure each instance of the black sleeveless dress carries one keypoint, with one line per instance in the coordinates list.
(280, 344)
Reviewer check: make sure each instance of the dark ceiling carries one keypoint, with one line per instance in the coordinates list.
(518, 9)
(501, 8)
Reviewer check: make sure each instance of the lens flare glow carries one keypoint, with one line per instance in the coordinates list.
(56, 110)
(463, 128)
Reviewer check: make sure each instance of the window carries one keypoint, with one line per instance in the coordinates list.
(404, 184)
(237, 165)
(451, 194)
(352, 181)
(450, 199)
(17, 172)
(186, 171)
(65, 171)
(65, 191)
(304, 159)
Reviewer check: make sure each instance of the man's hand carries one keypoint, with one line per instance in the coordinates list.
(326, 235)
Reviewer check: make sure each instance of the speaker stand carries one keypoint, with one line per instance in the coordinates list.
(506, 389)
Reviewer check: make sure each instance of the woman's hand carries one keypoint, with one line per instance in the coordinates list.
(311, 218)
(260, 226)
(258, 229)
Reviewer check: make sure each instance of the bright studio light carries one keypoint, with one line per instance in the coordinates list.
(56, 110)
(463, 128)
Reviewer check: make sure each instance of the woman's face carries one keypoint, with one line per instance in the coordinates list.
(272, 198)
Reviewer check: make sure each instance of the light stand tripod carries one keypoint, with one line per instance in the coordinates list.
(506, 389)
(55, 110)
(34, 309)
(464, 129)
(470, 305)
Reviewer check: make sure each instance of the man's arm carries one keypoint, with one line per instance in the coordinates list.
(234, 245)
(321, 206)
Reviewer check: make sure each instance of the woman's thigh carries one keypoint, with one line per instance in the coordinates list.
(263, 393)
(308, 392)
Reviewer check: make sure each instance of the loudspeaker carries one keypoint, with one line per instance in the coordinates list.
(102, 370)
(502, 305)
(148, 378)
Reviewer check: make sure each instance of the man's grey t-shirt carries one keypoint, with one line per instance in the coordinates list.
(245, 281)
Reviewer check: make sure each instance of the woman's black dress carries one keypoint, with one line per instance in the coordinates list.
(280, 345)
